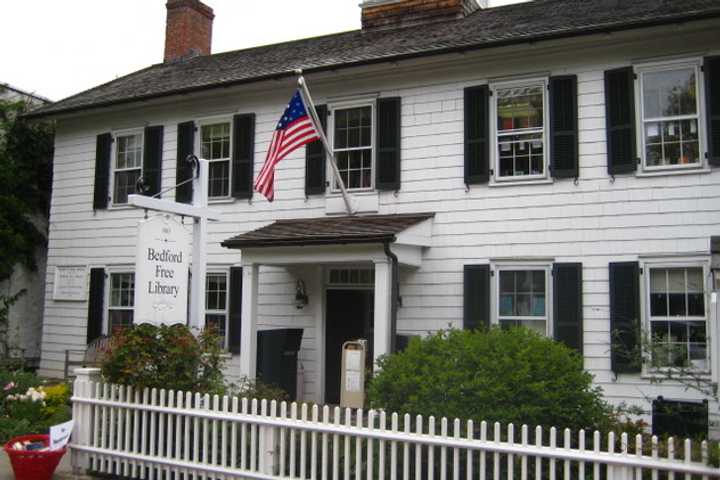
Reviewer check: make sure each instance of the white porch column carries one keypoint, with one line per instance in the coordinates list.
(248, 333)
(383, 310)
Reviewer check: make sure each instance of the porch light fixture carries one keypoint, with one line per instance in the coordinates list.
(301, 298)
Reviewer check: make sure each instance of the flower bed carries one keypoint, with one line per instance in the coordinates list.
(30, 405)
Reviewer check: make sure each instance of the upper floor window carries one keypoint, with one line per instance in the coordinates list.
(122, 301)
(216, 304)
(678, 318)
(520, 131)
(215, 147)
(353, 146)
(127, 166)
(523, 298)
(670, 116)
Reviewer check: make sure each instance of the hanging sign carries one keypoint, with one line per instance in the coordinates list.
(161, 271)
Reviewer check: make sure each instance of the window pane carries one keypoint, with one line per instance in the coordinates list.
(125, 184)
(524, 281)
(216, 141)
(507, 281)
(521, 154)
(119, 319)
(658, 305)
(520, 108)
(507, 305)
(219, 179)
(669, 93)
(523, 305)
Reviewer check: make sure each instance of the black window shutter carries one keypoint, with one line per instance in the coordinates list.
(567, 304)
(564, 126)
(103, 147)
(388, 155)
(243, 155)
(235, 311)
(625, 317)
(185, 147)
(315, 159)
(152, 159)
(620, 120)
(476, 297)
(712, 99)
(477, 133)
(96, 304)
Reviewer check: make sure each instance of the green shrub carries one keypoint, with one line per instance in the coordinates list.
(499, 375)
(258, 389)
(170, 357)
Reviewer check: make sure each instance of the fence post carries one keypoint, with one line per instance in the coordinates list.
(268, 442)
(82, 414)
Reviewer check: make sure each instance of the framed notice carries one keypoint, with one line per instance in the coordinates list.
(70, 283)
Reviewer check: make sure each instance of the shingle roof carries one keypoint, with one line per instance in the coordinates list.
(536, 20)
(327, 230)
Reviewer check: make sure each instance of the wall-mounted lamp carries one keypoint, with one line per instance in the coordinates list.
(301, 298)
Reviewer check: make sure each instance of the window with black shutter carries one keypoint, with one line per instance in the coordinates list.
(476, 296)
(564, 126)
(567, 304)
(243, 155)
(315, 159)
(620, 120)
(477, 133)
(388, 144)
(152, 160)
(103, 152)
(235, 309)
(185, 147)
(711, 70)
(625, 334)
(96, 304)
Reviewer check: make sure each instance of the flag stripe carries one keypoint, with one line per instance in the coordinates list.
(294, 130)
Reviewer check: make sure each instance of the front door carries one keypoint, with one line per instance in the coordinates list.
(349, 316)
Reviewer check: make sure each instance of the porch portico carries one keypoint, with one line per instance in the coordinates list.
(307, 248)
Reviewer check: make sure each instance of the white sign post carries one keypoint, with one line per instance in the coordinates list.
(161, 271)
(200, 215)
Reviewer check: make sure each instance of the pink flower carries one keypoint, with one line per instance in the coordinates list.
(9, 386)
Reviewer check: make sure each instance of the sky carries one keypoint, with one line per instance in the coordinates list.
(56, 48)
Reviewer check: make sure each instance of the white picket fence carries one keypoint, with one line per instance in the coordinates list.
(158, 434)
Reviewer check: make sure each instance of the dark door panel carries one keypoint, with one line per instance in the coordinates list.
(348, 316)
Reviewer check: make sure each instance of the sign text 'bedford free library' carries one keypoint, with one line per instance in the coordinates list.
(161, 271)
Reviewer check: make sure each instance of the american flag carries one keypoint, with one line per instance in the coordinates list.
(294, 130)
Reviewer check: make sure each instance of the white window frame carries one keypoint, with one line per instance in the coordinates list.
(654, 67)
(497, 267)
(494, 157)
(109, 272)
(226, 310)
(332, 108)
(207, 121)
(678, 262)
(113, 159)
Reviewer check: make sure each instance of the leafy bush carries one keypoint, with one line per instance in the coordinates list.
(170, 357)
(27, 406)
(258, 389)
(512, 375)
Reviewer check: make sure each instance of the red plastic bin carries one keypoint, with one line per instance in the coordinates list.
(31, 464)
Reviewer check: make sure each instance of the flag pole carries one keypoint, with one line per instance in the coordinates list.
(328, 151)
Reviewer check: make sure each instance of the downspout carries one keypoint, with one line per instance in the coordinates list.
(394, 294)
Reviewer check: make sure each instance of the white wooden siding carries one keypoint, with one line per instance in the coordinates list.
(594, 222)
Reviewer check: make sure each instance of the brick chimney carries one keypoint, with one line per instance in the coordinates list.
(188, 31)
(402, 13)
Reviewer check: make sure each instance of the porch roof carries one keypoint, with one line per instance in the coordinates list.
(328, 231)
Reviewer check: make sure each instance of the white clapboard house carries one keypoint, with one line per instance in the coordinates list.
(553, 164)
